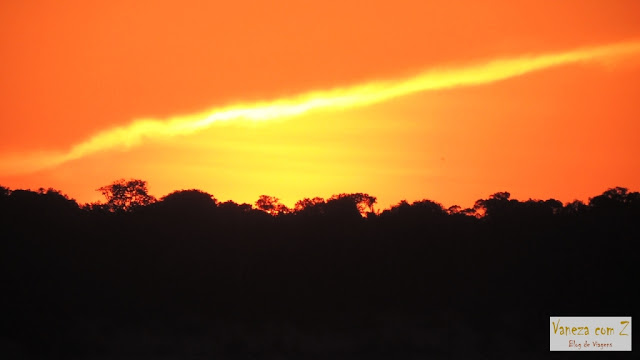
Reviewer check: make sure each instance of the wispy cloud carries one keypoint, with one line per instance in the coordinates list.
(341, 98)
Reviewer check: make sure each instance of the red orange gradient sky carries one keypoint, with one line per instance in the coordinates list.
(445, 100)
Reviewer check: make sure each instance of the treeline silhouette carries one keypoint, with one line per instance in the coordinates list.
(189, 277)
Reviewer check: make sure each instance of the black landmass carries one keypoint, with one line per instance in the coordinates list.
(188, 277)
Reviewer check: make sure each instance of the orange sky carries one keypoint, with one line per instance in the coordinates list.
(71, 71)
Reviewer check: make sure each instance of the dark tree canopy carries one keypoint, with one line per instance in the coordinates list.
(189, 198)
(308, 204)
(126, 195)
(271, 205)
(235, 281)
(363, 202)
(235, 207)
(615, 198)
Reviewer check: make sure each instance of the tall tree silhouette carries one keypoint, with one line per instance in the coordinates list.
(123, 195)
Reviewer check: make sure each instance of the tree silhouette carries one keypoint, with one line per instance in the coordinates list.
(192, 268)
(497, 206)
(271, 205)
(615, 198)
(189, 199)
(307, 203)
(123, 195)
(362, 201)
(575, 207)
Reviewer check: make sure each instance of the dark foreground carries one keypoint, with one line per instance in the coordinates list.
(194, 279)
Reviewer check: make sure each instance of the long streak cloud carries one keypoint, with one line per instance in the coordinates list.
(341, 98)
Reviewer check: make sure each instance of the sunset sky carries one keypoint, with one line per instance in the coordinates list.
(444, 100)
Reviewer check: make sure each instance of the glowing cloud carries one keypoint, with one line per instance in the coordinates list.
(348, 97)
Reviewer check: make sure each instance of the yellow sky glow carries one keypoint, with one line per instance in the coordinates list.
(341, 98)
